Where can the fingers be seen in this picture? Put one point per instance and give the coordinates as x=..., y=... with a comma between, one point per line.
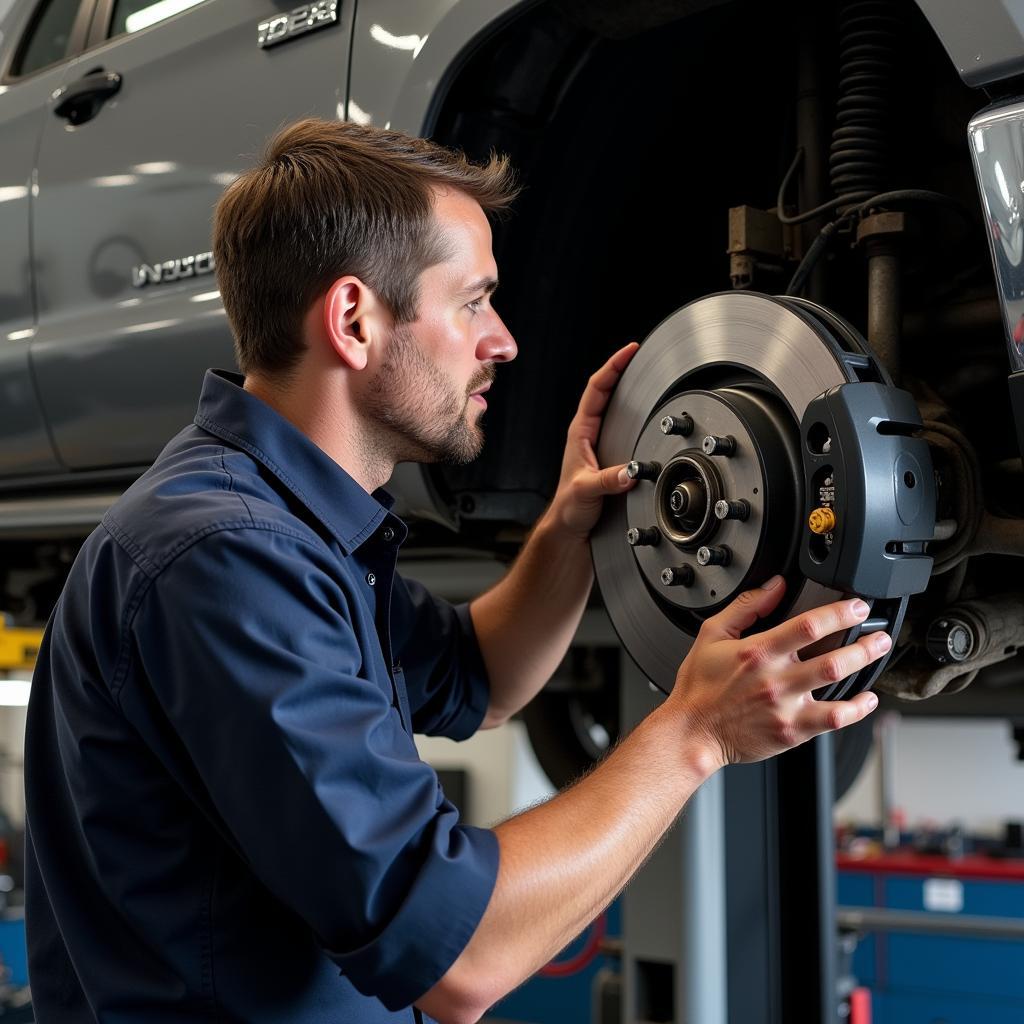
x=601, y=385
x=826, y=716
x=838, y=664
x=741, y=613
x=620, y=360
x=809, y=627
x=615, y=481
x=595, y=483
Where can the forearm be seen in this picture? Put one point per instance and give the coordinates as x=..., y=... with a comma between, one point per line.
x=564, y=861
x=526, y=622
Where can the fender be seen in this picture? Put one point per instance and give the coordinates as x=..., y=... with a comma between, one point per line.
x=405, y=55
x=985, y=47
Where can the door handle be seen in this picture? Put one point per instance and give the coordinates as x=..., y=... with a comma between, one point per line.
x=81, y=101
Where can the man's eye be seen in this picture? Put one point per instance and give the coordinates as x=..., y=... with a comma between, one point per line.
x=475, y=305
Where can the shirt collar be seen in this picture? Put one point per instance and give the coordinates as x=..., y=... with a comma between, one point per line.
x=247, y=422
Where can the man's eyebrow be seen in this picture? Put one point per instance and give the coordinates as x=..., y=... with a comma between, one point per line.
x=487, y=285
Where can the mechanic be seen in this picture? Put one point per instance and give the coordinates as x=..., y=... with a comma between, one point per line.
x=227, y=815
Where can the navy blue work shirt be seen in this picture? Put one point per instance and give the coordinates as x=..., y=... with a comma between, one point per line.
x=227, y=816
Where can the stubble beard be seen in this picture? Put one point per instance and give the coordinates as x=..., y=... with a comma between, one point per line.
x=421, y=416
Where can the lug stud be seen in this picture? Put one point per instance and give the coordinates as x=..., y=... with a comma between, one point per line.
x=739, y=509
x=715, y=445
x=643, y=470
x=678, y=576
x=642, y=536
x=717, y=555
x=681, y=424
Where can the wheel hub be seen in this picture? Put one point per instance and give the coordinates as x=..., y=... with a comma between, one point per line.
x=689, y=499
x=684, y=496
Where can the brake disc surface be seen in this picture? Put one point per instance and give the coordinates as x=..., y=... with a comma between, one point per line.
x=734, y=374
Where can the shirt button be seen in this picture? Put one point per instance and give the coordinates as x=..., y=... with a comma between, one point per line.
x=387, y=535
x=371, y=578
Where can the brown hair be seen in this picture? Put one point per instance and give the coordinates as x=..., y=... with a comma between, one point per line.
x=332, y=198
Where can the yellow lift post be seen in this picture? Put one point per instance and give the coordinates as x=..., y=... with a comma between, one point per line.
x=19, y=647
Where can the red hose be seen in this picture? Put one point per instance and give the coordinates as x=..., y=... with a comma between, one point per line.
x=584, y=958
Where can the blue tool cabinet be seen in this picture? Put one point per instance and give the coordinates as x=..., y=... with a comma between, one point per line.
x=938, y=979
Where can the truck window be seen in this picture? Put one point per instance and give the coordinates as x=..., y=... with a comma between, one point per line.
x=47, y=39
x=132, y=15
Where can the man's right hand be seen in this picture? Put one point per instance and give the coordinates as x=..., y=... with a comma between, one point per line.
x=751, y=697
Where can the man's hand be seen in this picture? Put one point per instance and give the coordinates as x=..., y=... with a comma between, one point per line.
x=750, y=698
x=583, y=484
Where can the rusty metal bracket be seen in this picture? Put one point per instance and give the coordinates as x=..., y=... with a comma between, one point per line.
x=759, y=242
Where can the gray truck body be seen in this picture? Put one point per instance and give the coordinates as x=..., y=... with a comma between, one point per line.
x=96, y=372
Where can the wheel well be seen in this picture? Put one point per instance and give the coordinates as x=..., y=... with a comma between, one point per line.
x=631, y=150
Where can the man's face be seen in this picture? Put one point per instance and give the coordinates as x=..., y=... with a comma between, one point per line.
x=427, y=392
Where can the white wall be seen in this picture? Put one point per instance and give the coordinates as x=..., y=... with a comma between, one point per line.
x=945, y=770
x=504, y=776
x=12, y=779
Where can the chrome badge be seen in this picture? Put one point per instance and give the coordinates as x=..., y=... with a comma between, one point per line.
x=172, y=270
x=306, y=18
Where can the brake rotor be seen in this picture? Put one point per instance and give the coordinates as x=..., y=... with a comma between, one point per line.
x=708, y=410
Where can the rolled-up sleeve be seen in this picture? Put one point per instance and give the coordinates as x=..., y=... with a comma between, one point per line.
x=252, y=650
x=444, y=669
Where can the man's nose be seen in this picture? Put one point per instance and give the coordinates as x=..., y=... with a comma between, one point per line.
x=497, y=345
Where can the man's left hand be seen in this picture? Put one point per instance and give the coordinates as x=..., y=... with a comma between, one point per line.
x=583, y=484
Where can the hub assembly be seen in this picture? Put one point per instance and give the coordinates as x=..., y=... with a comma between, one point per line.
x=733, y=485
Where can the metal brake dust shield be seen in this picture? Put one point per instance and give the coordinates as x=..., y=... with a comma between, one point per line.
x=710, y=412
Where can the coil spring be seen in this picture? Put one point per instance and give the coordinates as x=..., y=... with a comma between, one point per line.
x=858, y=157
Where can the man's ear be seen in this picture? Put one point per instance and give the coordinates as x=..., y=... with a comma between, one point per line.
x=353, y=319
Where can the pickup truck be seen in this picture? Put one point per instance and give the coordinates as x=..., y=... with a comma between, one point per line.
x=669, y=151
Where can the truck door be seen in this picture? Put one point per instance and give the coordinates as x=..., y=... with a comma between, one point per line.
x=35, y=41
x=171, y=99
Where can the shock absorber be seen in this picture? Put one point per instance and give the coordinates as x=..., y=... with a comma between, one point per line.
x=859, y=165
x=858, y=158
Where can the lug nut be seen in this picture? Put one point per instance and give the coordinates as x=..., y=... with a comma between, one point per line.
x=714, y=445
x=682, y=425
x=680, y=576
x=642, y=536
x=643, y=470
x=739, y=509
x=717, y=555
